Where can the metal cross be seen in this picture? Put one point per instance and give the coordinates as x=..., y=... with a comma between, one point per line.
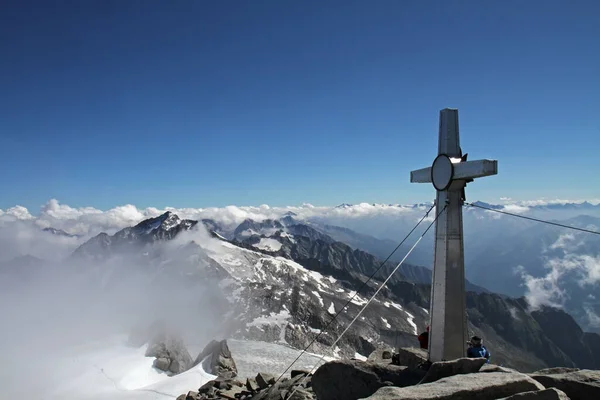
x=449, y=174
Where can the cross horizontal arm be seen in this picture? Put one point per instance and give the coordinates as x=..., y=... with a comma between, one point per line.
x=475, y=169
x=462, y=170
x=422, y=175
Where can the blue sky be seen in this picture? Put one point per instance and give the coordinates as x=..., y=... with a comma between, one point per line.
x=198, y=103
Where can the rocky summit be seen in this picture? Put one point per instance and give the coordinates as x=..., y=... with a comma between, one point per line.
x=378, y=379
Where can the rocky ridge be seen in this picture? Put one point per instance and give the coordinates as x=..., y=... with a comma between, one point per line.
x=379, y=379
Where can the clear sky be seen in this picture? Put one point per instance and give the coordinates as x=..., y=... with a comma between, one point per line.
x=211, y=103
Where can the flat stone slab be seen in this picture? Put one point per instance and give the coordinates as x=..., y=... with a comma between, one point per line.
x=479, y=386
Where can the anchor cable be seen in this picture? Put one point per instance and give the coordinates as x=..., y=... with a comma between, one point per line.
x=355, y=294
x=534, y=219
x=370, y=300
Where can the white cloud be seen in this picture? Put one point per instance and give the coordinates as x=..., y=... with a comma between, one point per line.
x=549, y=289
x=17, y=213
x=90, y=221
x=22, y=237
x=546, y=202
x=382, y=221
x=505, y=198
x=592, y=317
x=564, y=240
x=543, y=290
x=515, y=209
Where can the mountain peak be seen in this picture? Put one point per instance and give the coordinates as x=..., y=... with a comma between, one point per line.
x=164, y=227
x=58, y=232
x=166, y=221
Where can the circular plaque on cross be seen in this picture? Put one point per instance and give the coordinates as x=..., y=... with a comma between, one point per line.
x=442, y=172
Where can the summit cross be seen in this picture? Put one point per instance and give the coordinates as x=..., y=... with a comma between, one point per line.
x=449, y=174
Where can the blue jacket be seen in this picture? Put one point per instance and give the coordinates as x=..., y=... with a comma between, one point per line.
x=478, y=351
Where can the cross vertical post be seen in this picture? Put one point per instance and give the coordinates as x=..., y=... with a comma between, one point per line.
x=449, y=173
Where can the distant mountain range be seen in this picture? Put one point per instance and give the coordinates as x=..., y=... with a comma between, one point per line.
x=285, y=278
x=316, y=261
x=504, y=254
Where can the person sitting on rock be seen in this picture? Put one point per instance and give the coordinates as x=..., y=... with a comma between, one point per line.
x=477, y=350
x=424, y=339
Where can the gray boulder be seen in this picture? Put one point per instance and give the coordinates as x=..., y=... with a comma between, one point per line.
x=496, y=368
x=578, y=385
x=410, y=357
x=264, y=380
x=169, y=349
x=218, y=359
x=381, y=355
x=488, y=386
x=220, y=388
x=297, y=387
x=348, y=380
x=556, y=370
x=161, y=363
x=546, y=394
x=444, y=369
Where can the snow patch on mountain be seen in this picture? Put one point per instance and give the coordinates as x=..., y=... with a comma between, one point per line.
x=279, y=318
x=268, y=244
x=331, y=309
x=356, y=298
x=389, y=304
x=411, y=321
x=319, y=298
x=387, y=324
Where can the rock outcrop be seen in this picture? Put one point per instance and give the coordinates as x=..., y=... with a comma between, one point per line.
x=347, y=380
x=578, y=385
x=488, y=386
x=382, y=355
x=443, y=369
x=168, y=349
x=262, y=387
x=171, y=354
x=411, y=357
x=217, y=359
x=378, y=379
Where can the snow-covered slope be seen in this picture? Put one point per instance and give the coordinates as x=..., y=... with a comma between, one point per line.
x=100, y=370
x=109, y=369
x=264, y=294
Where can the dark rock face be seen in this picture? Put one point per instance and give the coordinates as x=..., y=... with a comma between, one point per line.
x=578, y=385
x=218, y=359
x=348, y=380
x=506, y=324
x=562, y=329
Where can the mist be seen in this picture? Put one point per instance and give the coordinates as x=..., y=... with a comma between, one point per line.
x=54, y=305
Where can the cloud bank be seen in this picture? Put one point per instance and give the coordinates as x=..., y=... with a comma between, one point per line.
x=567, y=272
x=89, y=221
